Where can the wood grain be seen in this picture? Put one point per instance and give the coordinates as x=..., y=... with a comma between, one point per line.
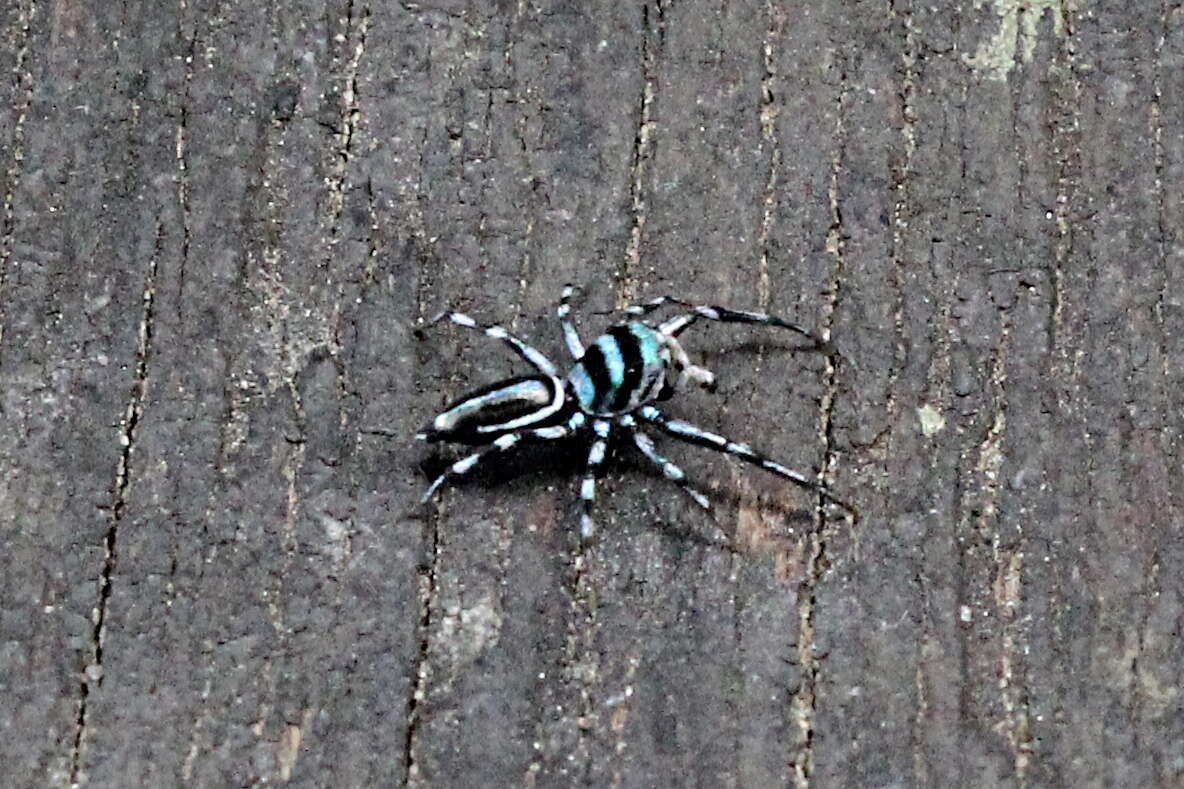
x=222, y=222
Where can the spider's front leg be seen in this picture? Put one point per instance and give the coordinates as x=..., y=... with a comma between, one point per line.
x=714, y=312
x=705, y=438
x=669, y=469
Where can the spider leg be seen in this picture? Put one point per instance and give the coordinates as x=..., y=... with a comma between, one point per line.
x=675, y=326
x=588, y=486
x=672, y=471
x=696, y=435
x=500, y=444
x=526, y=351
x=570, y=335
x=646, y=307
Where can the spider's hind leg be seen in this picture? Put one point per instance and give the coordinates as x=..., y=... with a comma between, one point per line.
x=500, y=444
x=533, y=356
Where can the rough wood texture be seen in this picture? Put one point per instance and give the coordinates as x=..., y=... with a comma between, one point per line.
x=221, y=222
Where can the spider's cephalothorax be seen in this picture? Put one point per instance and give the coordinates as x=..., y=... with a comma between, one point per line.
x=614, y=383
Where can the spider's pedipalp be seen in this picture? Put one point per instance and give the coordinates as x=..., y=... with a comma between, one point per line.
x=685, y=369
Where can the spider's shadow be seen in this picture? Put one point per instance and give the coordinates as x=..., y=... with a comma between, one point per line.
x=560, y=463
x=690, y=523
x=540, y=461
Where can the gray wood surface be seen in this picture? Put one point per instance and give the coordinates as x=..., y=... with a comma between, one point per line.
x=221, y=222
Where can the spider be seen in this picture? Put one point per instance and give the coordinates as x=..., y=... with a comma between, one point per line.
x=612, y=386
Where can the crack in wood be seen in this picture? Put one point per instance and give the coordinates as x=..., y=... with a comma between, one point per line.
x=92, y=675
x=182, y=158
x=14, y=173
x=347, y=124
x=769, y=110
x=1170, y=432
x=427, y=593
x=1008, y=580
x=630, y=268
x=805, y=699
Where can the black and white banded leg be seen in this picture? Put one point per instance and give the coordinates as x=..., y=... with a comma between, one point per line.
x=500, y=444
x=696, y=435
x=526, y=351
x=669, y=469
x=570, y=335
x=677, y=325
x=596, y=454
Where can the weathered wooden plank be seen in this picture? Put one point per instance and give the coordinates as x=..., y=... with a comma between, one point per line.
x=73, y=261
x=241, y=567
x=696, y=645
x=1117, y=416
x=230, y=218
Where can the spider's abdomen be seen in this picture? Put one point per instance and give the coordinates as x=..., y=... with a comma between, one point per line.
x=502, y=407
x=622, y=369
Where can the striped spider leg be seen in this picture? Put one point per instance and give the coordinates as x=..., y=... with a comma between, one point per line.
x=685, y=431
x=692, y=434
x=596, y=455
x=528, y=352
x=602, y=428
x=570, y=335
x=500, y=444
x=671, y=471
x=675, y=326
